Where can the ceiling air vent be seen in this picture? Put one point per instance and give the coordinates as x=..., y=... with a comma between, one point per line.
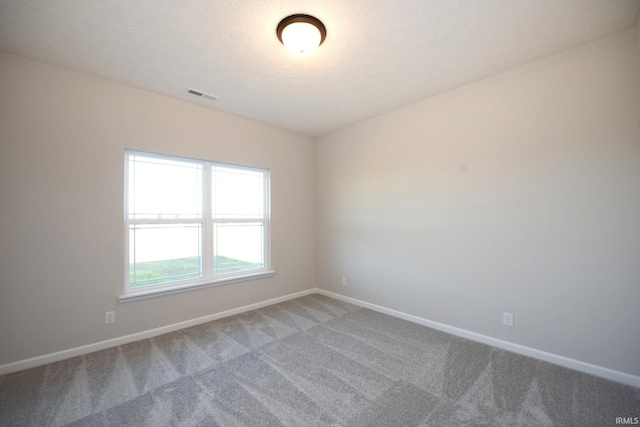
x=202, y=94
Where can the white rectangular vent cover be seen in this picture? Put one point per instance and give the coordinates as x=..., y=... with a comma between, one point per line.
x=202, y=94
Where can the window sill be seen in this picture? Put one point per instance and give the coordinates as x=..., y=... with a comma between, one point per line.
x=150, y=293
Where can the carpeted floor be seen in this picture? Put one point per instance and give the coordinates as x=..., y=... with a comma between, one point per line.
x=313, y=361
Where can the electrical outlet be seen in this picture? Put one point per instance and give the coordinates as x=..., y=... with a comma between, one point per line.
x=507, y=319
x=109, y=317
x=344, y=281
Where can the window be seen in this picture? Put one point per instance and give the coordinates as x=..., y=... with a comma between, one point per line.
x=193, y=223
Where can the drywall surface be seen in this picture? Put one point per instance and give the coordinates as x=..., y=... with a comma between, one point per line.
x=519, y=193
x=62, y=142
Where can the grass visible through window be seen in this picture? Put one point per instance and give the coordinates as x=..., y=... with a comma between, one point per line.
x=172, y=270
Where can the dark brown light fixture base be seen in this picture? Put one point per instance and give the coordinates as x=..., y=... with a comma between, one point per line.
x=307, y=19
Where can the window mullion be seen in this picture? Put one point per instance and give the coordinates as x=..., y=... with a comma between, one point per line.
x=237, y=220
x=165, y=221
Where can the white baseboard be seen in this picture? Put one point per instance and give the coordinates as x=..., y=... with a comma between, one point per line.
x=90, y=348
x=588, y=368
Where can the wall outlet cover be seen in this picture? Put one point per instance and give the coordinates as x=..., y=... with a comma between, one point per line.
x=109, y=317
x=507, y=319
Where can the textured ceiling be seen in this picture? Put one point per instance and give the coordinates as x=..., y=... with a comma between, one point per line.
x=378, y=55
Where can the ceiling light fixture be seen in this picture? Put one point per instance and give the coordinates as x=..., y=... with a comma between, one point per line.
x=301, y=34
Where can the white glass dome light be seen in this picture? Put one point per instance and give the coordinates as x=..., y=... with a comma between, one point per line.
x=301, y=38
x=301, y=34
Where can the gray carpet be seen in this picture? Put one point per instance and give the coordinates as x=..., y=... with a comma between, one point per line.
x=313, y=361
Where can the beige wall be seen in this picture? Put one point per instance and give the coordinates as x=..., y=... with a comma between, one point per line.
x=62, y=141
x=518, y=193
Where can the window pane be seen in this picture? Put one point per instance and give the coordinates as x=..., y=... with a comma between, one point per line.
x=238, y=247
x=161, y=188
x=237, y=193
x=164, y=253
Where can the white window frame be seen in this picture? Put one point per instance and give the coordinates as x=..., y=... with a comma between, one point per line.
x=207, y=222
